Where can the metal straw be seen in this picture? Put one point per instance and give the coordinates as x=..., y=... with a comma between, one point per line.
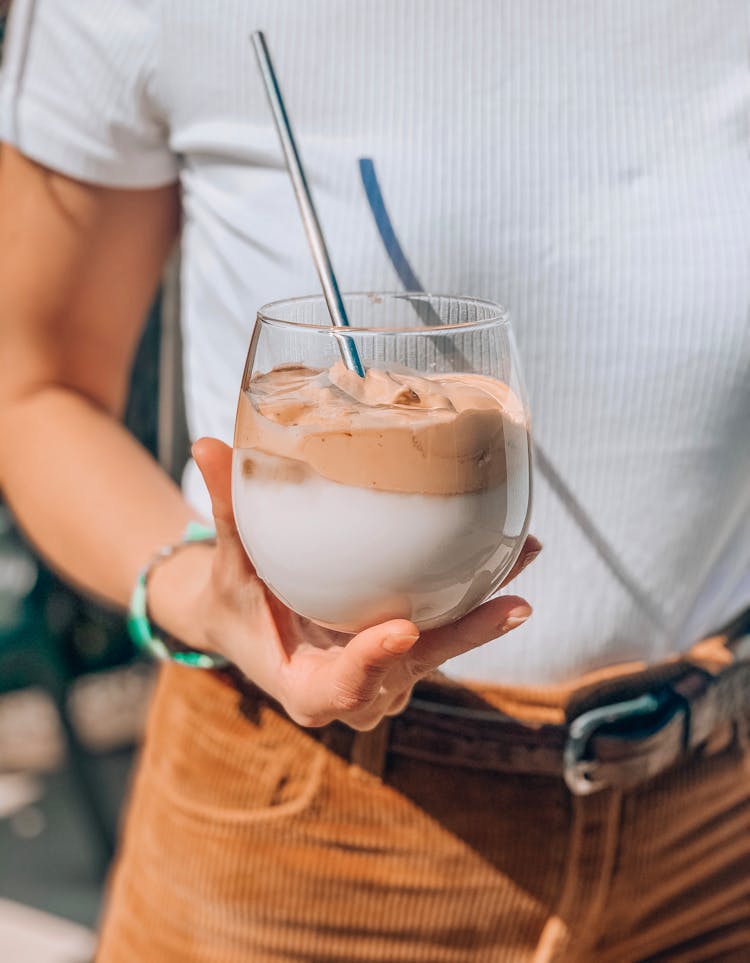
x=310, y=220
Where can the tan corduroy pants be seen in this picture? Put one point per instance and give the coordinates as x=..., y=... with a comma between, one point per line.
x=249, y=841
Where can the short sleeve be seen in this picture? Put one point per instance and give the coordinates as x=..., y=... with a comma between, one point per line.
x=78, y=90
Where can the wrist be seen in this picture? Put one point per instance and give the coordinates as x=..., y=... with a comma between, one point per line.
x=176, y=590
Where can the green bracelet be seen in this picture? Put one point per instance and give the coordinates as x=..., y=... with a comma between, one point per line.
x=139, y=624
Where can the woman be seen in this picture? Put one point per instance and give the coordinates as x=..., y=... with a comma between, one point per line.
x=590, y=170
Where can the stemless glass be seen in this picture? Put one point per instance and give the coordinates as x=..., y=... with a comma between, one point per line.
x=353, y=510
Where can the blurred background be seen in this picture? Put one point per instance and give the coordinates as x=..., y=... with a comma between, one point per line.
x=73, y=696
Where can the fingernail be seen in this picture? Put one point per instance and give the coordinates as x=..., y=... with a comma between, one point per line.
x=529, y=559
x=517, y=616
x=399, y=643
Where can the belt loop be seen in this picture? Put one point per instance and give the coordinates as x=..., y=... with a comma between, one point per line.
x=370, y=749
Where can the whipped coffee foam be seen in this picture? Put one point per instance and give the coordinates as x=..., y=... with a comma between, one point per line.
x=394, y=496
x=392, y=431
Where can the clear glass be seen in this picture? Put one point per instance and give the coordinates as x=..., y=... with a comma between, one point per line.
x=357, y=510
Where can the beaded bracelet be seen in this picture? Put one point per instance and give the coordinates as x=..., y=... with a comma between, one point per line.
x=139, y=624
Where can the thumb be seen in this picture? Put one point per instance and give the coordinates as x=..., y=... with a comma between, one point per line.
x=214, y=459
x=366, y=659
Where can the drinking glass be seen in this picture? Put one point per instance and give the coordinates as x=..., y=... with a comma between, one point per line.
x=351, y=523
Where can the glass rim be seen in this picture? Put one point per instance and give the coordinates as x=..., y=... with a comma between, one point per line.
x=499, y=317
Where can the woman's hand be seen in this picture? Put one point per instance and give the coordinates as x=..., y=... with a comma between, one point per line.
x=317, y=675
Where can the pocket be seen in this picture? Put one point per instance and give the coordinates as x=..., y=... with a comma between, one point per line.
x=212, y=759
x=217, y=832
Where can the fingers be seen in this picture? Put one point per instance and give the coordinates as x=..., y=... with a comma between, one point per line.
x=358, y=672
x=531, y=548
x=214, y=459
x=350, y=682
x=495, y=618
x=354, y=688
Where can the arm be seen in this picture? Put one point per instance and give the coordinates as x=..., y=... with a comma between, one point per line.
x=78, y=267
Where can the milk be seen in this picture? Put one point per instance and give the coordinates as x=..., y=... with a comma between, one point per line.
x=349, y=557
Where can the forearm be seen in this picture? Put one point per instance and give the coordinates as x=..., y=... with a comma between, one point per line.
x=79, y=267
x=92, y=500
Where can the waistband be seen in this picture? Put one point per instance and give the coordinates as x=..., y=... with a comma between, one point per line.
x=613, y=728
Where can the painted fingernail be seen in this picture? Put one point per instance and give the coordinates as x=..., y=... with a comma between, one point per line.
x=399, y=643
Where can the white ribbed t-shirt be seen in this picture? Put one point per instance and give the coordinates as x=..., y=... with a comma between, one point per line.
x=585, y=163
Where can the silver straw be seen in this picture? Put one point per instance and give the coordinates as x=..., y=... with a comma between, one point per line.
x=310, y=220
